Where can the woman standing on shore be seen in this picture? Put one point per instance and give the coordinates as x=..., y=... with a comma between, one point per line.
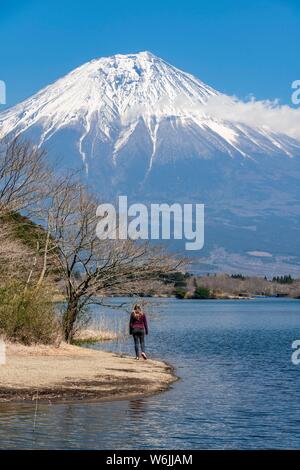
x=138, y=327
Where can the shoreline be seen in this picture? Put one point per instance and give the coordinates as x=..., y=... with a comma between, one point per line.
x=74, y=374
x=217, y=297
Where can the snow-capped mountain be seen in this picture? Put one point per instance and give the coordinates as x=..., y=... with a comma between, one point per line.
x=111, y=102
x=141, y=126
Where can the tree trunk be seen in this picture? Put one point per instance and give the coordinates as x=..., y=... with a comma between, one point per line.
x=44, y=269
x=69, y=319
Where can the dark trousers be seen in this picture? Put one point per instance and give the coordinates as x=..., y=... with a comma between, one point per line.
x=139, y=338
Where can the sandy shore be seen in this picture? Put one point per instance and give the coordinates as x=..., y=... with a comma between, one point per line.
x=75, y=373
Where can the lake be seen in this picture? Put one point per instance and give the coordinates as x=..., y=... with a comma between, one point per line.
x=238, y=388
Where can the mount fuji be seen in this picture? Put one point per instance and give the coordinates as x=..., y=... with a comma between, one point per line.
x=136, y=125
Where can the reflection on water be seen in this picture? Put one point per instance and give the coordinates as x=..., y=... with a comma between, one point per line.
x=238, y=387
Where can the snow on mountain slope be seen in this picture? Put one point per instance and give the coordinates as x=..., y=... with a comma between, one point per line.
x=109, y=101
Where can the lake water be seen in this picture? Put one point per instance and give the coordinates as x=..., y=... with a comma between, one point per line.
x=238, y=387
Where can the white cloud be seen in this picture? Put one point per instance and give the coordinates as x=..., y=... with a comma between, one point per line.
x=268, y=114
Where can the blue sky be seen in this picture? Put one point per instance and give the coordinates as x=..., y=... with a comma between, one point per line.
x=238, y=47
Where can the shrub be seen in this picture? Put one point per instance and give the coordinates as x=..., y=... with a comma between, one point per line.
x=27, y=317
x=202, y=293
x=180, y=293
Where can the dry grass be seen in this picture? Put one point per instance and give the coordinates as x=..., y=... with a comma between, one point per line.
x=93, y=335
x=99, y=329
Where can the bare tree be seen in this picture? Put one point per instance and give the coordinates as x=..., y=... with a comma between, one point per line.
x=23, y=173
x=92, y=268
x=27, y=183
x=14, y=256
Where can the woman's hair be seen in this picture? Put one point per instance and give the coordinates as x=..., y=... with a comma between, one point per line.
x=137, y=311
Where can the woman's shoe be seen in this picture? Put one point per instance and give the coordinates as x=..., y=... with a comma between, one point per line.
x=137, y=358
x=144, y=356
